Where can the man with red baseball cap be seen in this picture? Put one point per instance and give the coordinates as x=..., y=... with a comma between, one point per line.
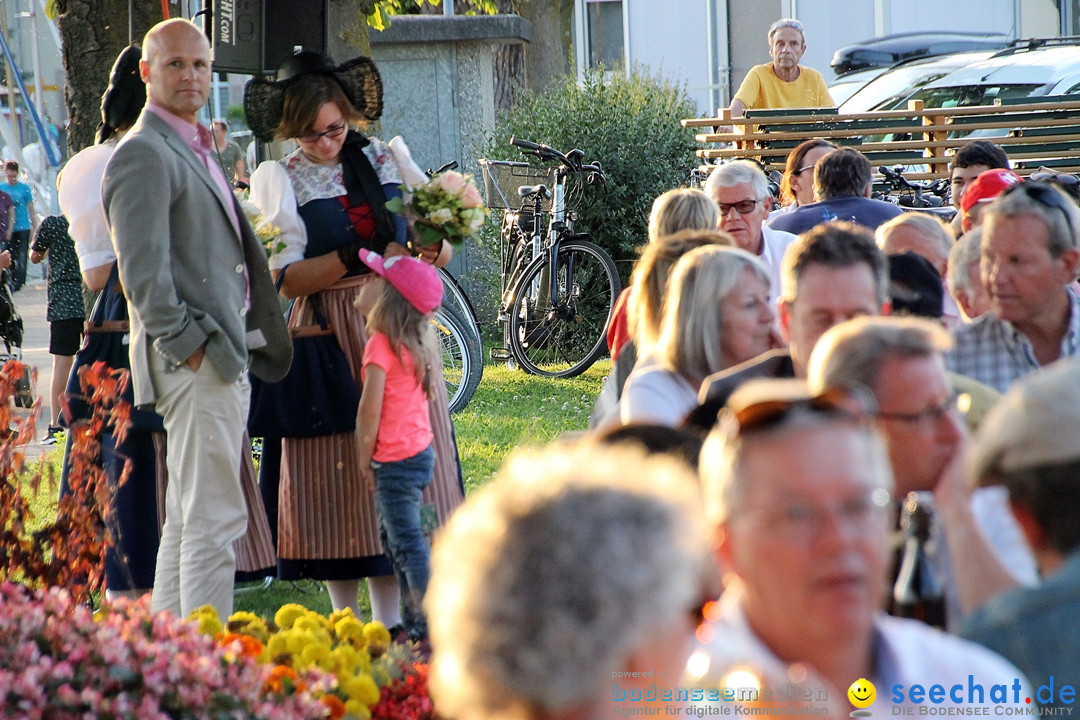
x=982, y=191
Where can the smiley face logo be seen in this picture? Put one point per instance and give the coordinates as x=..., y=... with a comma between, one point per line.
x=862, y=693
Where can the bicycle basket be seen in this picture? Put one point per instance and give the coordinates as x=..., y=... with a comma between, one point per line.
x=502, y=178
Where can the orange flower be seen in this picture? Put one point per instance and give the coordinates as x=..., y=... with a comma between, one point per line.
x=249, y=646
x=283, y=679
x=337, y=707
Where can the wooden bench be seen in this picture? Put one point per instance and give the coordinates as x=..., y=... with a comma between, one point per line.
x=1037, y=132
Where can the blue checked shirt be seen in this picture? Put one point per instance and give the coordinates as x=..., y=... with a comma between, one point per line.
x=994, y=352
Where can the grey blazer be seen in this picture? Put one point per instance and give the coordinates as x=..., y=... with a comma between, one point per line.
x=182, y=264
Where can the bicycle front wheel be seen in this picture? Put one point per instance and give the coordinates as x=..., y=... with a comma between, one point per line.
x=562, y=336
x=462, y=356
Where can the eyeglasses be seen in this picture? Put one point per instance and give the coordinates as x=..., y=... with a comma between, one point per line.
x=743, y=207
x=931, y=414
x=804, y=168
x=1047, y=196
x=765, y=414
x=805, y=521
x=331, y=132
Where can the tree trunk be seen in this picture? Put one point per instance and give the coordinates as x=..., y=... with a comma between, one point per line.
x=509, y=66
x=92, y=33
x=547, y=57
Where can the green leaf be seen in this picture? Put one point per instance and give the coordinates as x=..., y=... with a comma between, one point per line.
x=396, y=205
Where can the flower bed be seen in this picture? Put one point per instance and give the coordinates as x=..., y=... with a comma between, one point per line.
x=60, y=660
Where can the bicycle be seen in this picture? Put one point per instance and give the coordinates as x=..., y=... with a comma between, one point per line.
x=557, y=287
x=928, y=197
x=458, y=330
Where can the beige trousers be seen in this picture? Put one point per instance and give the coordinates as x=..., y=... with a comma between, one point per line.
x=205, y=512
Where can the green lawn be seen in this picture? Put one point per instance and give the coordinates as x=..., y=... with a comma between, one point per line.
x=510, y=409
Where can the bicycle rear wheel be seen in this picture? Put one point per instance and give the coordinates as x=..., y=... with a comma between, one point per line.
x=462, y=356
x=563, y=336
x=454, y=297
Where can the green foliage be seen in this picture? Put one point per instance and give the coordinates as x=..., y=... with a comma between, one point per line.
x=235, y=115
x=627, y=122
x=383, y=9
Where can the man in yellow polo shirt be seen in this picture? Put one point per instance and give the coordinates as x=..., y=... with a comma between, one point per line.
x=783, y=83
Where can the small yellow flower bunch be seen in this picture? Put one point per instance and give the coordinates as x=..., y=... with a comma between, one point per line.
x=268, y=233
x=305, y=641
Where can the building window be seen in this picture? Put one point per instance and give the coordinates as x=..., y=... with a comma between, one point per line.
x=604, y=19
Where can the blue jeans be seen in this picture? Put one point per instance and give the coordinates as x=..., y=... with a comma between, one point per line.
x=398, y=486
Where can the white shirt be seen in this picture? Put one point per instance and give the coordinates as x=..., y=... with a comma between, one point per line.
x=906, y=653
x=774, y=245
x=79, y=196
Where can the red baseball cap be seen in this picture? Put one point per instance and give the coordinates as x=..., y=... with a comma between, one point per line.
x=417, y=281
x=988, y=185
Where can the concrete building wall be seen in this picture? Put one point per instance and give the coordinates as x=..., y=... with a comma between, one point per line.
x=652, y=26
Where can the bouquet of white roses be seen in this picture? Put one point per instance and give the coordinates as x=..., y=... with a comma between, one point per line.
x=446, y=207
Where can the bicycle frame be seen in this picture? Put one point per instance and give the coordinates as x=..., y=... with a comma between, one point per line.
x=554, y=283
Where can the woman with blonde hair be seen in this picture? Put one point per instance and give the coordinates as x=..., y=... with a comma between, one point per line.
x=646, y=295
x=716, y=314
x=675, y=210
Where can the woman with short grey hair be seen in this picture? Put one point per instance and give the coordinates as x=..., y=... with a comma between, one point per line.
x=565, y=583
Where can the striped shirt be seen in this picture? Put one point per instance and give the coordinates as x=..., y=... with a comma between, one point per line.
x=994, y=352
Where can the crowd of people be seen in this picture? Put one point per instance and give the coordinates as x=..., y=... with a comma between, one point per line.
x=786, y=379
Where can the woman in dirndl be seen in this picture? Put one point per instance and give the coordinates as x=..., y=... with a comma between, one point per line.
x=328, y=200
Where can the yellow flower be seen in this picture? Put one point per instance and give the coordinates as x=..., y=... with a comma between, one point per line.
x=361, y=688
x=349, y=660
x=350, y=630
x=207, y=619
x=246, y=623
x=287, y=615
x=278, y=645
x=376, y=633
x=315, y=653
x=338, y=615
x=310, y=622
x=357, y=709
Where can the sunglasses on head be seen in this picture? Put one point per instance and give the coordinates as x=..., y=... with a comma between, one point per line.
x=1048, y=196
x=765, y=414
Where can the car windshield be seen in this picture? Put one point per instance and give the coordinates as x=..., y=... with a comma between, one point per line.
x=965, y=96
x=893, y=88
x=889, y=90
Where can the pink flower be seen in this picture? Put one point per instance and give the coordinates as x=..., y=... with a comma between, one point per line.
x=472, y=198
x=452, y=182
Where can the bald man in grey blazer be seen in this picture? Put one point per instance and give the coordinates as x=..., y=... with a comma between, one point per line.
x=203, y=309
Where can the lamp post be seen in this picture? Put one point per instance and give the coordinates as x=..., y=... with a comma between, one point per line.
x=35, y=53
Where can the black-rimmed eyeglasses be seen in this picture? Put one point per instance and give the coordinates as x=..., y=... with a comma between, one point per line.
x=331, y=132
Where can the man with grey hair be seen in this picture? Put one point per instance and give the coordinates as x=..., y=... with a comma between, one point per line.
x=798, y=487
x=1029, y=260
x=783, y=83
x=741, y=190
x=964, y=276
x=842, y=184
x=1028, y=446
x=899, y=361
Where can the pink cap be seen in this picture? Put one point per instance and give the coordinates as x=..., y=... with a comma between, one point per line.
x=417, y=281
x=988, y=185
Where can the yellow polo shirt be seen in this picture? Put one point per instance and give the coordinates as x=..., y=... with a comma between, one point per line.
x=763, y=89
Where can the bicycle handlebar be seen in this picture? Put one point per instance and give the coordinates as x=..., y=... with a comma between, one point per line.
x=572, y=160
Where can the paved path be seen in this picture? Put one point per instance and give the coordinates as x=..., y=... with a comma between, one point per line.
x=30, y=301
